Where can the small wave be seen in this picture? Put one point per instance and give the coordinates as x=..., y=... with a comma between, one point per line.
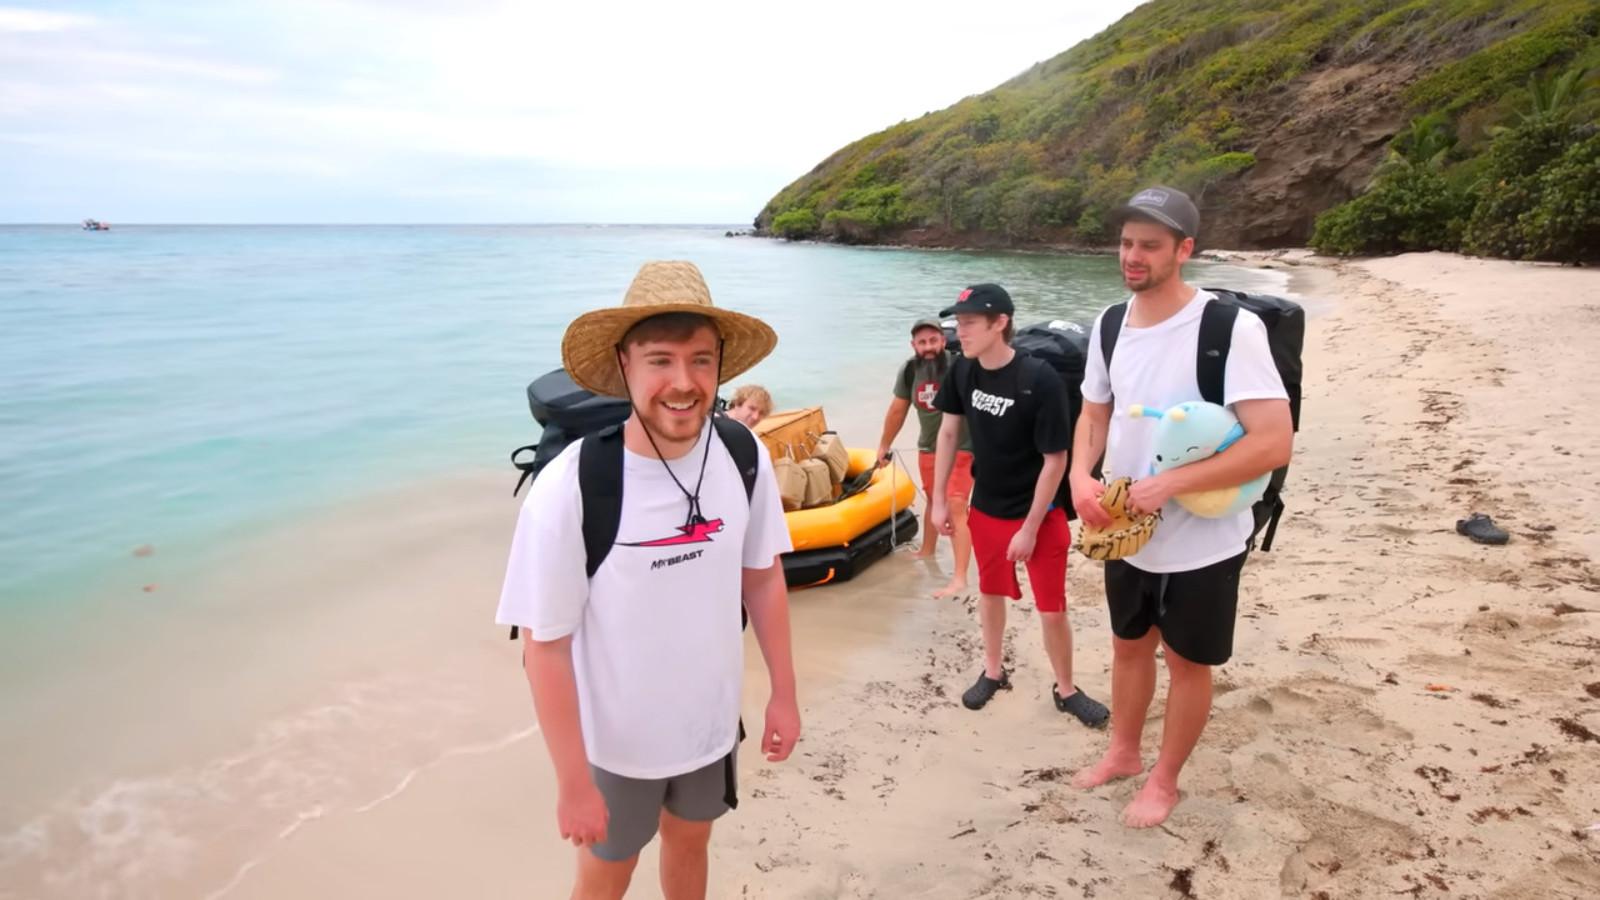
x=177, y=833
x=467, y=750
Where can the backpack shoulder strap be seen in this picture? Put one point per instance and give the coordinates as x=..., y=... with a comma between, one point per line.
x=743, y=447
x=1110, y=327
x=1032, y=367
x=600, y=485
x=961, y=376
x=741, y=444
x=1211, y=358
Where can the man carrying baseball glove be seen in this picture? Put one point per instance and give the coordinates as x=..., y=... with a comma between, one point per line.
x=1172, y=578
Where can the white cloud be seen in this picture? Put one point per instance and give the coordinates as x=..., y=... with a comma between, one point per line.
x=34, y=20
x=132, y=63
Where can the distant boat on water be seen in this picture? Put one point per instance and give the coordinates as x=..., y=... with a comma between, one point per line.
x=94, y=225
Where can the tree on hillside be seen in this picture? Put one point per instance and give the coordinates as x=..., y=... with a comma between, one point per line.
x=1426, y=144
x=1558, y=97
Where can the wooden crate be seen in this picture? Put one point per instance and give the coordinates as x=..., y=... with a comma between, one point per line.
x=796, y=429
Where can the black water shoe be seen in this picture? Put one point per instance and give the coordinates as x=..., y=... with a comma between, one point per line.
x=1482, y=529
x=1089, y=711
x=984, y=689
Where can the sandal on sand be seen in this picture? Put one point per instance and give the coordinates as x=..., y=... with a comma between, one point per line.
x=984, y=689
x=1482, y=529
x=1089, y=711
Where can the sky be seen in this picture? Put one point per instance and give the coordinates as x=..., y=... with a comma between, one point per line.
x=380, y=111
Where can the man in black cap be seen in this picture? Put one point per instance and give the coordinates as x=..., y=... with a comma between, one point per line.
x=1016, y=410
x=1180, y=591
x=916, y=385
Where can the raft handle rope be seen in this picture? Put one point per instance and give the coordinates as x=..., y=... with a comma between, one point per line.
x=894, y=514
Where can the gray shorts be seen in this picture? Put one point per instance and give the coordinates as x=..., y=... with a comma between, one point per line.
x=634, y=805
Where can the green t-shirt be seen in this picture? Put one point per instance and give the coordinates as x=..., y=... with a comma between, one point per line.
x=919, y=381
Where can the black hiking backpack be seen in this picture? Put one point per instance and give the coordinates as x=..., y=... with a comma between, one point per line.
x=1286, y=336
x=1064, y=347
x=568, y=412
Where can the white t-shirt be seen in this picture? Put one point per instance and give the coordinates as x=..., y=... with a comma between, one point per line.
x=1155, y=367
x=656, y=644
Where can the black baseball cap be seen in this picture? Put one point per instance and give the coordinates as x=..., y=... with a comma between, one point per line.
x=1166, y=205
x=982, y=298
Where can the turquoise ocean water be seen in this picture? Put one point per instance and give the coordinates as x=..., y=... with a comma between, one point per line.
x=176, y=386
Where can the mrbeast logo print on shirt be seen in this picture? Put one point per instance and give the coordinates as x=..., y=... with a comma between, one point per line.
x=698, y=532
x=989, y=403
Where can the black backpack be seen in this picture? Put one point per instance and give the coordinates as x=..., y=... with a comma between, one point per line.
x=1064, y=347
x=569, y=412
x=1286, y=336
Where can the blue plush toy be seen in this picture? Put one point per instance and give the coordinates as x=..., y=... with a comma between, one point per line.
x=1194, y=431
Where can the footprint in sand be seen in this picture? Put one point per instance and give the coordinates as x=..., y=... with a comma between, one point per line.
x=1315, y=704
x=1335, y=644
x=1347, y=852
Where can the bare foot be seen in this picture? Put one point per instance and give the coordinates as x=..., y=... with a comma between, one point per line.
x=925, y=551
x=1109, y=768
x=953, y=589
x=1151, y=806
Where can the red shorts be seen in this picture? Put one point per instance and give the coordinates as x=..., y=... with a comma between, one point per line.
x=960, y=486
x=1047, y=568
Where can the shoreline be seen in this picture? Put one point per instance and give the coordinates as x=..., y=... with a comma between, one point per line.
x=447, y=783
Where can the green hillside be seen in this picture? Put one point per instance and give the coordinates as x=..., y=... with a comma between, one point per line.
x=1269, y=113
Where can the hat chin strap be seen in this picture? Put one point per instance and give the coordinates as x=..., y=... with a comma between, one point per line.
x=695, y=517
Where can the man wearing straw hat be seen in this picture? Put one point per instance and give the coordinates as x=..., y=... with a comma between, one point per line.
x=1180, y=590
x=636, y=669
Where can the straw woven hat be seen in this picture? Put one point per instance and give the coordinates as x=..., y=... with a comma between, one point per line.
x=589, y=348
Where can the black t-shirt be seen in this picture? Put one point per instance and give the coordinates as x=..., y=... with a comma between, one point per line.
x=1015, y=414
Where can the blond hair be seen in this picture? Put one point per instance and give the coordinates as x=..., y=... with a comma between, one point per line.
x=752, y=392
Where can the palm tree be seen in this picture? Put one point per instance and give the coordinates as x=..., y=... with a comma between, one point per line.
x=1556, y=98
x=1426, y=144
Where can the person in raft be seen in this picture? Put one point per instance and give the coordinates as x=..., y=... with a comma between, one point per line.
x=1180, y=591
x=1015, y=408
x=750, y=404
x=916, y=384
x=636, y=669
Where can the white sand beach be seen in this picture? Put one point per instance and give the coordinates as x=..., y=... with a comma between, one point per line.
x=1407, y=713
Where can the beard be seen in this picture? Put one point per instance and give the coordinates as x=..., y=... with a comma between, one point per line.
x=1152, y=277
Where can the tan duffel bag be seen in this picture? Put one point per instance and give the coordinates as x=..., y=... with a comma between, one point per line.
x=819, y=485
x=792, y=482
x=831, y=450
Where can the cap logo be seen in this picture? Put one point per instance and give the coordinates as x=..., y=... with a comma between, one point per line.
x=1151, y=197
x=964, y=295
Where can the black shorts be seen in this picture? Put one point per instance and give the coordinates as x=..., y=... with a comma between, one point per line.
x=1194, y=610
